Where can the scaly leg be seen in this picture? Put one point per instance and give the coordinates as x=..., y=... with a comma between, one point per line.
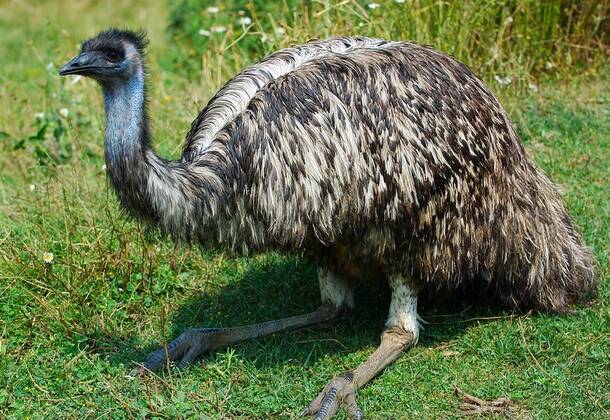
x=336, y=295
x=402, y=331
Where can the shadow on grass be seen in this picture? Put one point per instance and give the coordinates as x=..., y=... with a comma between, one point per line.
x=277, y=289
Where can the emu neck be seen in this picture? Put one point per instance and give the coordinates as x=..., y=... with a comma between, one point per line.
x=168, y=194
x=126, y=143
x=126, y=124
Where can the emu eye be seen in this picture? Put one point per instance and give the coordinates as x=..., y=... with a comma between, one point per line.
x=113, y=56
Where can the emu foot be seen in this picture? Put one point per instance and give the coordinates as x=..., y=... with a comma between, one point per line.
x=190, y=344
x=340, y=391
x=183, y=350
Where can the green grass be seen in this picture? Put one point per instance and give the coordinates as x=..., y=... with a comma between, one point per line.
x=70, y=331
x=500, y=39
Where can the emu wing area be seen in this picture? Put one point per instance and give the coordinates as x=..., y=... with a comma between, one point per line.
x=380, y=139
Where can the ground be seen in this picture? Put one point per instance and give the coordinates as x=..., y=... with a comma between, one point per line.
x=71, y=328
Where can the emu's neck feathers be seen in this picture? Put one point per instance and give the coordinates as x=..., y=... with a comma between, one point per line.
x=149, y=187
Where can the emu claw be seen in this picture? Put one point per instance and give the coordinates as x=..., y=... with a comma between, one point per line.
x=340, y=390
x=183, y=350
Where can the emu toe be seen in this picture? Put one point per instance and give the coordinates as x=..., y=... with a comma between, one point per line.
x=183, y=350
x=340, y=391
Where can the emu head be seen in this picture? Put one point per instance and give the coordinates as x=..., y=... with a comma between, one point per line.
x=110, y=56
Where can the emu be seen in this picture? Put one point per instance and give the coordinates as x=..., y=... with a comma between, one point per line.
x=376, y=159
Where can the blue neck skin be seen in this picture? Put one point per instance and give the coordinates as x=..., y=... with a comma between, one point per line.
x=126, y=126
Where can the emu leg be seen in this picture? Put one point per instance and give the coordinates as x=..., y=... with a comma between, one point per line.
x=193, y=342
x=337, y=298
x=402, y=331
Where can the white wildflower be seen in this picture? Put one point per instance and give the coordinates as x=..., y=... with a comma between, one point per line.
x=218, y=29
x=373, y=6
x=212, y=10
x=47, y=257
x=64, y=112
x=50, y=66
x=509, y=20
x=503, y=80
x=32, y=187
x=280, y=31
x=360, y=24
x=264, y=37
x=76, y=79
x=39, y=115
x=399, y=1
x=548, y=65
x=104, y=167
x=532, y=87
x=204, y=32
x=244, y=21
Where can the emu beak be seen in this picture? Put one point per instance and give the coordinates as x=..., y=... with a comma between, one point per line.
x=84, y=63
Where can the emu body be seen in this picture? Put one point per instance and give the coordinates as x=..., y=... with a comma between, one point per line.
x=375, y=159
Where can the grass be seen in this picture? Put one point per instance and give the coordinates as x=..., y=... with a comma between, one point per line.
x=70, y=330
x=502, y=40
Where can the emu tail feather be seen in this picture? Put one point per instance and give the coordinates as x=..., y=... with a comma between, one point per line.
x=557, y=270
